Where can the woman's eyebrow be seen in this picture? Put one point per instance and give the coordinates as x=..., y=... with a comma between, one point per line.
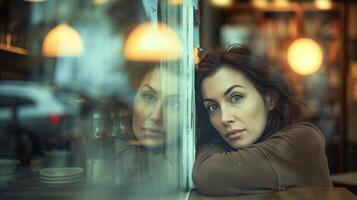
x=206, y=99
x=225, y=93
x=173, y=96
x=149, y=87
x=231, y=88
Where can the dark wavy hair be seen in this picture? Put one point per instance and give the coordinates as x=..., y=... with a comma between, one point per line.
x=267, y=81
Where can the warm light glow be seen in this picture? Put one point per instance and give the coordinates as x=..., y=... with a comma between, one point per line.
x=13, y=49
x=304, y=56
x=260, y=3
x=323, y=4
x=99, y=1
x=175, y=2
x=196, y=55
x=62, y=40
x=221, y=3
x=281, y=3
x=152, y=42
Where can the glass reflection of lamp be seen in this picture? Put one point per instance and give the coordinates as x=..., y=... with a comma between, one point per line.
x=150, y=42
x=175, y=2
x=305, y=56
x=98, y=2
x=62, y=41
x=221, y=3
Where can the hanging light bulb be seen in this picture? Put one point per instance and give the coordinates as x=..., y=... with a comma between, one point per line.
x=152, y=42
x=304, y=56
x=64, y=41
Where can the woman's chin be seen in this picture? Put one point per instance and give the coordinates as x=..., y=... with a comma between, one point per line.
x=147, y=143
x=238, y=144
x=153, y=143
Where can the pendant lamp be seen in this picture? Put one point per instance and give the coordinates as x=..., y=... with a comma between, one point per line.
x=150, y=42
x=62, y=41
x=305, y=56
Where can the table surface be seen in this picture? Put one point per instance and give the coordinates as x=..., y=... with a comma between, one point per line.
x=348, y=178
x=306, y=193
x=30, y=188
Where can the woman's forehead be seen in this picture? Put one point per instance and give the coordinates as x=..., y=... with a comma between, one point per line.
x=223, y=78
x=162, y=81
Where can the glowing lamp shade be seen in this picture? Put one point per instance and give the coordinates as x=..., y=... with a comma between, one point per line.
x=62, y=41
x=304, y=56
x=152, y=42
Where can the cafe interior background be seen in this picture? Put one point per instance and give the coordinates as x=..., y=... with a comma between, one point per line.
x=67, y=70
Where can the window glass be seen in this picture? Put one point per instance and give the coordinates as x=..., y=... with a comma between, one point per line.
x=113, y=115
x=9, y=101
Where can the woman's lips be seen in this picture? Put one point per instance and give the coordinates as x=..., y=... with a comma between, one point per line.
x=234, y=134
x=153, y=132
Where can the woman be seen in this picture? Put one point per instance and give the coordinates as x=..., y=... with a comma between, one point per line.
x=261, y=146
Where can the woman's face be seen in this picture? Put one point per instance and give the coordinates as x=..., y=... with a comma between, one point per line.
x=235, y=107
x=156, y=108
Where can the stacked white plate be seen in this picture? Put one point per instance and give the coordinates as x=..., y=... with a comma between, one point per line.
x=61, y=175
x=7, y=170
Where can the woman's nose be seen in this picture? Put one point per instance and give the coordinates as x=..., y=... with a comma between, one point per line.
x=227, y=117
x=156, y=112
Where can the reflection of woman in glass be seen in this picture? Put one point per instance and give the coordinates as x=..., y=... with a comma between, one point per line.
x=261, y=146
x=143, y=153
x=153, y=101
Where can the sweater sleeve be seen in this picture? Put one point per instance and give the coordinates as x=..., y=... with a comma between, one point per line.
x=283, y=160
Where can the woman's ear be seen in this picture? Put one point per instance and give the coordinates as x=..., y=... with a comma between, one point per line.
x=270, y=100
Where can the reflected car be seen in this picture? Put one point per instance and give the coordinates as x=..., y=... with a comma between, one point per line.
x=32, y=120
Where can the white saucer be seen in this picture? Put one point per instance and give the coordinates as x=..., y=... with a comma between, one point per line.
x=61, y=181
x=45, y=178
x=61, y=172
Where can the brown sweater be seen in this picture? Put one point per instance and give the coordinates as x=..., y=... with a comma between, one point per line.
x=295, y=156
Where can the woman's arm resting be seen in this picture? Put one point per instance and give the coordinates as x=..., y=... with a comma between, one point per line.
x=246, y=171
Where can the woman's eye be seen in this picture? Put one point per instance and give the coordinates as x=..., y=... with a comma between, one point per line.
x=148, y=97
x=173, y=103
x=236, y=98
x=212, y=108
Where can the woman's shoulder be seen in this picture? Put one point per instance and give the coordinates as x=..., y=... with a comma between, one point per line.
x=300, y=128
x=301, y=132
